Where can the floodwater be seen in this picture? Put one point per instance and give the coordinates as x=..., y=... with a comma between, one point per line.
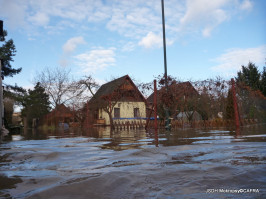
x=185, y=163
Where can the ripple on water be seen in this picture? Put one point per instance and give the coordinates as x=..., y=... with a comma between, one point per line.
x=129, y=165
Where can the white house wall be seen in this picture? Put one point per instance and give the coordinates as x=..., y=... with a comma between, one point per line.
x=126, y=112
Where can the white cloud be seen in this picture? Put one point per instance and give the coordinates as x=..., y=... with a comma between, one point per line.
x=151, y=40
x=72, y=44
x=132, y=19
x=14, y=13
x=231, y=61
x=29, y=14
x=206, y=32
x=69, y=48
x=71, y=9
x=205, y=15
x=201, y=10
x=96, y=59
x=246, y=5
x=40, y=19
x=129, y=46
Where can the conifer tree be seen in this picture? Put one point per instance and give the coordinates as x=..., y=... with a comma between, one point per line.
x=36, y=103
x=7, y=52
x=263, y=82
x=250, y=76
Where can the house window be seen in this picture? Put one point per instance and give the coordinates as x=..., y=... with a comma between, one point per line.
x=116, y=112
x=136, y=113
x=95, y=114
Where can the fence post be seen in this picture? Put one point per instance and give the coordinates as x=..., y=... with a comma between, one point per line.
x=155, y=105
x=155, y=114
x=87, y=115
x=235, y=104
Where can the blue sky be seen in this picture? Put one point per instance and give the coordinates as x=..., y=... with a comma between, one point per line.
x=111, y=38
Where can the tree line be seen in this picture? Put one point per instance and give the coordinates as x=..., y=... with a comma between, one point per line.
x=54, y=86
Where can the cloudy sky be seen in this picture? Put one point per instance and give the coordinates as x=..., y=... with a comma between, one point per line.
x=111, y=38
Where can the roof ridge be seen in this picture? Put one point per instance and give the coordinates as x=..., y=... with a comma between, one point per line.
x=108, y=87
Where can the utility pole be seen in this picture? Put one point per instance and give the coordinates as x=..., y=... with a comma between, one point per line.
x=1, y=99
x=1, y=87
x=167, y=122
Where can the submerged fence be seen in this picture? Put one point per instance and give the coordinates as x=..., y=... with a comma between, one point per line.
x=126, y=125
x=176, y=124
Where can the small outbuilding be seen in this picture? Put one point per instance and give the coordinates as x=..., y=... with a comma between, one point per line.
x=60, y=114
x=181, y=93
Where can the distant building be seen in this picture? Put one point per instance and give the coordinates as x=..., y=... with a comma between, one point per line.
x=181, y=90
x=184, y=91
x=16, y=118
x=189, y=116
x=122, y=97
x=61, y=114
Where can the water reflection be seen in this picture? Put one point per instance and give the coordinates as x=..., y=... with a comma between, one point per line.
x=130, y=139
x=237, y=132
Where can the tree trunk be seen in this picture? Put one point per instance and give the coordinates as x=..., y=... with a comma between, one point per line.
x=111, y=120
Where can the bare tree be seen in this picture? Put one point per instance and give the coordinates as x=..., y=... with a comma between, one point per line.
x=88, y=83
x=58, y=85
x=207, y=97
x=213, y=94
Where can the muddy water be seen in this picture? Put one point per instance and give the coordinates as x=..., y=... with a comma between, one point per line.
x=186, y=163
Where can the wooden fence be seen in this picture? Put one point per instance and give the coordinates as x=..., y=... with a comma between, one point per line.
x=128, y=125
x=175, y=124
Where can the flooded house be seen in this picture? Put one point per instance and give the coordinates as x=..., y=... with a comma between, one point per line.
x=118, y=100
x=180, y=90
x=60, y=114
x=16, y=118
x=188, y=116
x=182, y=94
